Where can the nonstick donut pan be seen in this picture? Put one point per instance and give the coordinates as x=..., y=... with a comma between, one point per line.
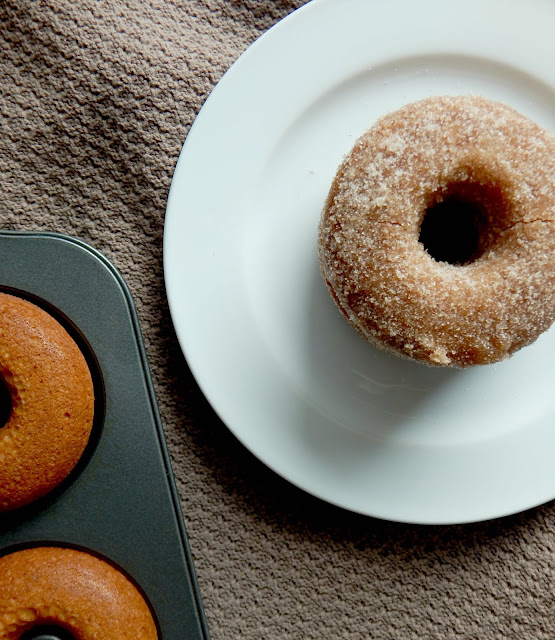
x=120, y=502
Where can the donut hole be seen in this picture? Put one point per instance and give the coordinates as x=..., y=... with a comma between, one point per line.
x=450, y=230
x=462, y=221
x=5, y=402
x=47, y=632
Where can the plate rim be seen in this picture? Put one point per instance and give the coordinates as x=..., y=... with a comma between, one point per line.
x=199, y=370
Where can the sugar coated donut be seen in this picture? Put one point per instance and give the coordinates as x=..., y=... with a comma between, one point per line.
x=48, y=388
x=61, y=591
x=437, y=239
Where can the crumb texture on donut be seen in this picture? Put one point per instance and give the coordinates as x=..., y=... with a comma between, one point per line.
x=70, y=590
x=52, y=402
x=487, y=158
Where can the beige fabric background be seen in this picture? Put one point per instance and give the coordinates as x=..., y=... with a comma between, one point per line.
x=96, y=99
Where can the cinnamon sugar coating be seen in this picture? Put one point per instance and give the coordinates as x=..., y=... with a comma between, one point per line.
x=386, y=283
x=52, y=402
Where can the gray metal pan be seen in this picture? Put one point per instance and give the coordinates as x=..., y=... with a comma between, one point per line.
x=121, y=501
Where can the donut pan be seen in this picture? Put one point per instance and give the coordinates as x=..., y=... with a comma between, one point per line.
x=121, y=501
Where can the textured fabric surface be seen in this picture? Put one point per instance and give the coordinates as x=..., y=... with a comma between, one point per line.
x=96, y=99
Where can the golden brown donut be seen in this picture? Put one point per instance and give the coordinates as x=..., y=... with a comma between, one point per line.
x=52, y=402
x=437, y=239
x=70, y=590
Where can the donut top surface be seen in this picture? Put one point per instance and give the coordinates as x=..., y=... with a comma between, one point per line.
x=445, y=158
x=48, y=385
x=73, y=591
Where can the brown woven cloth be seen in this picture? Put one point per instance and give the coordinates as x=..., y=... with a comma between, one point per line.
x=96, y=99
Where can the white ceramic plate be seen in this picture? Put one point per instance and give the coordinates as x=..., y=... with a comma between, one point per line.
x=345, y=422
